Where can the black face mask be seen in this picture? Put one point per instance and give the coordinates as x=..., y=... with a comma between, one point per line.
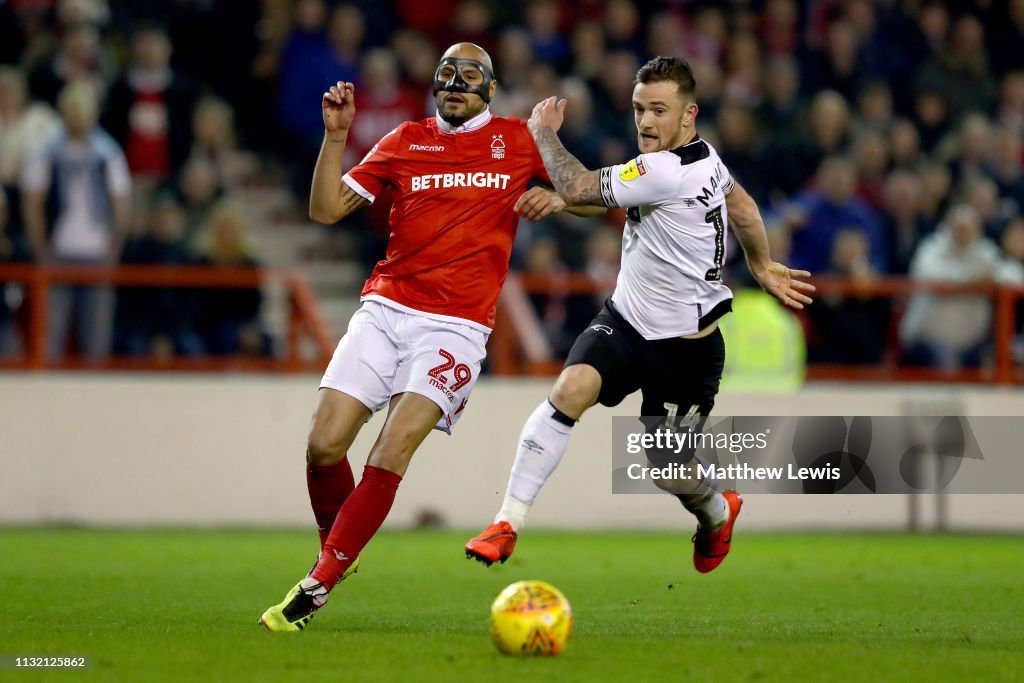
x=452, y=74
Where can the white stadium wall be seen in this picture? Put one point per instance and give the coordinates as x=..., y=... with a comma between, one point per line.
x=228, y=450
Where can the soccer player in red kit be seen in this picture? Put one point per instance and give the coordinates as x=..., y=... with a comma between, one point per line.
x=417, y=342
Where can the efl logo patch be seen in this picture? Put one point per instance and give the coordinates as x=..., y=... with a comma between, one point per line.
x=633, y=170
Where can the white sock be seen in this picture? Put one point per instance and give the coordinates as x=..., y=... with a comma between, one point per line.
x=541, y=446
x=711, y=511
x=702, y=498
x=513, y=511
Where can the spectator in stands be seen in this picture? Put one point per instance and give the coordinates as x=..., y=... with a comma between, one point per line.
x=743, y=71
x=80, y=57
x=852, y=328
x=319, y=52
x=780, y=110
x=543, y=20
x=707, y=36
x=75, y=12
x=874, y=107
x=612, y=95
x=158, y=321
x=960, y=70
x=936, y=183
x=589, y=48
x=307, y=63
x=663, y=31
x=904, y=145
x=200, y=189
x=229, y=319
x=1006, y=165
x=1010, y=112
x=779, y=27
x=1013, y=246
x=9, y=292
x=904, y=224
x=515, y=55
x=418, y=59
x=796, y=158
x=24, y=128
x=738, y=142
x=213, y=133
x=951, y=331
x=709, y=75
x=471, y=23
x=384, y=103
x=933, y=21
x=622, y=26
x=968, y=150
x=76, y=193
x=982, y=194
x=839, y=65
x=1012, y=271
x=149, y=109
x=871, y=157
x=931, y=114
x=818, y=215
x=577, y=134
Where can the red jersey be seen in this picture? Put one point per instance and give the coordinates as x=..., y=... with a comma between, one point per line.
x=452, y=223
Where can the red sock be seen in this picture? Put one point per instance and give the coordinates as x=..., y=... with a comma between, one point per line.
x=329, y=486
x=357, y=522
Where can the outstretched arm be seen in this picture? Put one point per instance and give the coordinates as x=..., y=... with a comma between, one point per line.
x=538, y=202
x=776, y=279
x=330, y=199
x=576, y=184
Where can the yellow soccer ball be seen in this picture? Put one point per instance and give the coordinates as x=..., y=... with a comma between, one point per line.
x=531, y=618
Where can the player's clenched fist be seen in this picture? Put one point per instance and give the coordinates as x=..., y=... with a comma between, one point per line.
x=536, y=203
x=339, y=106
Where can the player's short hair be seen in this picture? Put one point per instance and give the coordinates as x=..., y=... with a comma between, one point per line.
x=669, y=69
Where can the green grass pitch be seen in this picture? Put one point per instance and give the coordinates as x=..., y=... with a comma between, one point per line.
x=183, y=605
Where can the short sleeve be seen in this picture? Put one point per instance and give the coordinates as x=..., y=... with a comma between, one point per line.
x=370, y=176
x=648, y=179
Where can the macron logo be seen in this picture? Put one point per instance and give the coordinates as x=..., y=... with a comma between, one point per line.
x=426, y=148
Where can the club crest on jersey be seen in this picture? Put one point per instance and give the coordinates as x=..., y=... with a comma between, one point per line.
x=497, y=146
x=633, y=170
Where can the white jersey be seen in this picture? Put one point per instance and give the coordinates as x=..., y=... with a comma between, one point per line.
x=673, y=244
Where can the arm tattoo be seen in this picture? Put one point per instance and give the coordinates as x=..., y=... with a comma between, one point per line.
x=350, y=199
x=577, y=185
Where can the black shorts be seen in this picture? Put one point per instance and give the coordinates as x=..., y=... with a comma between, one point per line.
x=670, y=372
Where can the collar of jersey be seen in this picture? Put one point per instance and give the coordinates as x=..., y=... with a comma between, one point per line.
x=478, y=121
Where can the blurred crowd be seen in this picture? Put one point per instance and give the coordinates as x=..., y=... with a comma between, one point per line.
x=115, y=146
x=880, y=137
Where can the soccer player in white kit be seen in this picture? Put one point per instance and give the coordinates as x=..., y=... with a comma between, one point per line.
x=658, y=332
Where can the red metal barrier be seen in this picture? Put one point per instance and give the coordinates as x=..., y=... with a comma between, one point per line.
x=1004, y=298
x=304, y=319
